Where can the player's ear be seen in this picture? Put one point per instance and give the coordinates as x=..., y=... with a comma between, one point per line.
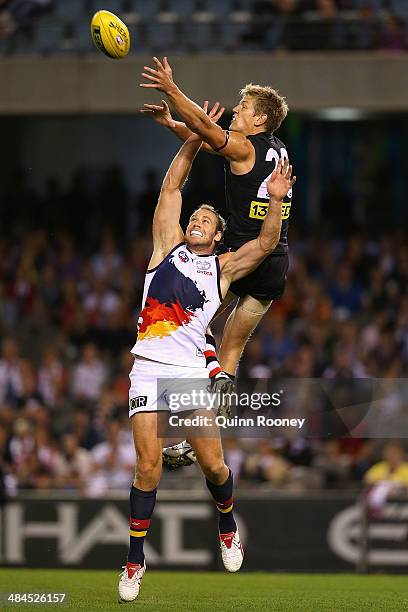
x=260, y=120
x=218, y=236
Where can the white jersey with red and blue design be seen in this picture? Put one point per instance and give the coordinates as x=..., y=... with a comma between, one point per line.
x=180, y=297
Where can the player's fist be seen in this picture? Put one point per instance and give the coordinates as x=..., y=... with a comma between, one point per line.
x=280, y=181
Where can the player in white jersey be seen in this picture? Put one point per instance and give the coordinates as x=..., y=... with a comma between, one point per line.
x=184, y=287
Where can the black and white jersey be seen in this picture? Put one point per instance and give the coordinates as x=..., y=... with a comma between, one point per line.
x=247, y=198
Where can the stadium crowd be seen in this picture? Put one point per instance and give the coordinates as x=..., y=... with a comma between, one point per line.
x=69, y=305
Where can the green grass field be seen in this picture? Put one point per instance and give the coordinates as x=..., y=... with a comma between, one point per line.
x=182, y=592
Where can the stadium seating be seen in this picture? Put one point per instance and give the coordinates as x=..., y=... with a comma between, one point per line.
x=232, y=29
x=146, y=10
x=161, y=36
x=218, y=7
x=199, y=36
x=49, y=35
x=183, y=8
x=399, y=7
x=114, y=6
x=206, y=26
x=84, y=42
x=69, y=10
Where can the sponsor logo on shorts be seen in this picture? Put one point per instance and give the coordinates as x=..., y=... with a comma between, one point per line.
x=183, y=256
x=138, y=402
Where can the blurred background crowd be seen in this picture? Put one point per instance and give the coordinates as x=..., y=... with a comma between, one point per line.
x=74, y=247
x=50, y=26
x=69, y=303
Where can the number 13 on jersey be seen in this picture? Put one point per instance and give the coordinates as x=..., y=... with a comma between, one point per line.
x=258, y=210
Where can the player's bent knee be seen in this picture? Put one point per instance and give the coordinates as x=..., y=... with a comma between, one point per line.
x=214, y=472
x=148, y=473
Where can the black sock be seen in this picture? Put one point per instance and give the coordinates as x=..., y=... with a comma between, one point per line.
x=222, y=495
x=141, y=509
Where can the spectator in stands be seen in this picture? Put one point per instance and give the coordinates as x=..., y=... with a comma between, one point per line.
x=393, y=468
x=85, y=429
x=101, y=302
x=17, y=13
x=363, y=459
x=22, y=444
x=277, y=342
x=393, y=34
x=89, y=375
x=345, y=293
x=72, y=464
x=275, y=23
x=11, y=380
x=113, y=461
x=107, y=262
x=52, y=377
x=333, y=464
x=267, y=465
x=8, y=480
x=388, y=477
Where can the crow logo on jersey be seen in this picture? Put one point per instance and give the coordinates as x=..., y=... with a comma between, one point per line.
x=183, y=256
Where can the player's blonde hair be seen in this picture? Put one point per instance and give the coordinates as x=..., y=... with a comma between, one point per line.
x=267, y=102
x=221, y=224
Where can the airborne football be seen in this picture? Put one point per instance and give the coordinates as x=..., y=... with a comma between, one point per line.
x=110, y=35
x=204, y=305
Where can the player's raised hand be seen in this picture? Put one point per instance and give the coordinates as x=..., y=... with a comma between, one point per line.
x=280, y=181
x=215, y=113
x=160, y=114
x=161, y=77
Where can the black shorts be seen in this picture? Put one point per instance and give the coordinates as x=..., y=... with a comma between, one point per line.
x=267, y=282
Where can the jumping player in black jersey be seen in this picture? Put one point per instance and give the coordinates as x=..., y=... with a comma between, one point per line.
x=251, y=151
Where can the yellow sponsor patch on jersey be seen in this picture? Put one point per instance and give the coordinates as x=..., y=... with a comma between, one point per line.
x=286, y=210
x=258, y=210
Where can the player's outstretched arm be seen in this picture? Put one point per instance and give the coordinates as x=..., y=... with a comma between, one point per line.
x=160, y=113
x=232, y=145
x=248, y=257
x=166, y=221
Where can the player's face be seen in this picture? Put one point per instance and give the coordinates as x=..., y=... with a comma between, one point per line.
x=202, y=230
x=243, y=119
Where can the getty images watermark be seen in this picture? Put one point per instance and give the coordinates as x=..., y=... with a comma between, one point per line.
x=205, y=399
x=202, y=398
x=311, y=407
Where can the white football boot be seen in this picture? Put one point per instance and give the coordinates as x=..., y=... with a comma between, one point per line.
x=130, y=581
x=178, y=455
x=232, y=552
